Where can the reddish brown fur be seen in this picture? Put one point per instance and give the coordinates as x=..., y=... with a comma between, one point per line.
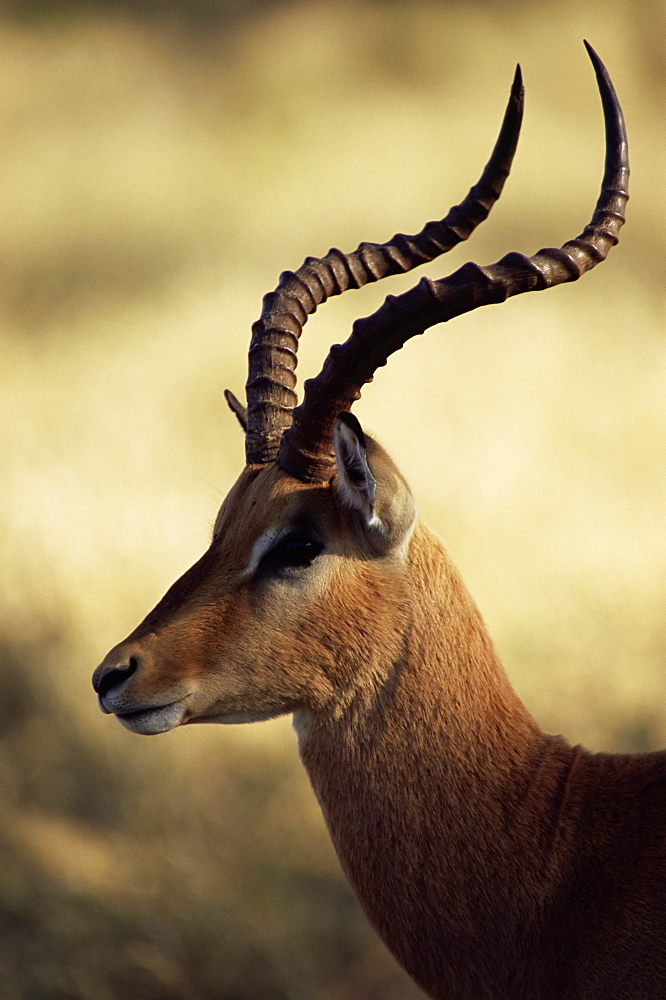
x=495, y=861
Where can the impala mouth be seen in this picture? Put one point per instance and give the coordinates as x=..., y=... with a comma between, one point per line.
x=151, y=721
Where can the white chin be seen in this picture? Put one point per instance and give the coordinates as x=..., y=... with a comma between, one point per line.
x=237, y=718
x=151, y=721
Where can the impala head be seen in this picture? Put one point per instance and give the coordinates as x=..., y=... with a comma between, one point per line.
x=264, y=622
x=303, y=588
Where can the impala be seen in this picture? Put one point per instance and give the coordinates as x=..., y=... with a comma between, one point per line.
x=495, y=860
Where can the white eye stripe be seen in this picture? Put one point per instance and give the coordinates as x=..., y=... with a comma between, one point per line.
x=263, y=544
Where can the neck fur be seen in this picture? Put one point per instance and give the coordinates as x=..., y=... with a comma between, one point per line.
x=428, y=784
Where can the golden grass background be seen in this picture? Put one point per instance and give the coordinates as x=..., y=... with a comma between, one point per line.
x=157, y=174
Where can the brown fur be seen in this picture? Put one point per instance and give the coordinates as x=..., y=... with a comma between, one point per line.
x=495, y=861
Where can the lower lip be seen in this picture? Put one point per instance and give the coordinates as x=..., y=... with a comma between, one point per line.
x=151, y=721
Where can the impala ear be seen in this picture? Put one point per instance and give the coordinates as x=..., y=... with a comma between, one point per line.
x=236, y=407
x=369, y=484
x=356, y=482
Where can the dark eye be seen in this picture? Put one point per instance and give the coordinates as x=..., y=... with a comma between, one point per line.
x=293, y=551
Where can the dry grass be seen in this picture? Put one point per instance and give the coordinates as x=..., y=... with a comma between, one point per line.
x=154, y=184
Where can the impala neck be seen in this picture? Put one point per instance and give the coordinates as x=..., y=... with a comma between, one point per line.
x=436, y=785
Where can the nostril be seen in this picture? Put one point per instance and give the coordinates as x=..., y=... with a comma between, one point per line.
x=111, y=677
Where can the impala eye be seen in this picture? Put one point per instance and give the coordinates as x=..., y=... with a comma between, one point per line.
x=295, y=550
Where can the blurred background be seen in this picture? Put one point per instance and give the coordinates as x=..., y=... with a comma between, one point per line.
x=161, y=163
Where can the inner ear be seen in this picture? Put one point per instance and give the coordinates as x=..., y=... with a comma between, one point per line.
x=356, y=483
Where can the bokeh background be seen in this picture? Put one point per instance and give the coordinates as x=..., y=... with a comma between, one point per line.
x=160, y=163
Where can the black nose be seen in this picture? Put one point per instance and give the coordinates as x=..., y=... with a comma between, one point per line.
x=113, y=675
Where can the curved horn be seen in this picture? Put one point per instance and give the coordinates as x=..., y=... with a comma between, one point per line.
x=272, y=357
x=306, y=450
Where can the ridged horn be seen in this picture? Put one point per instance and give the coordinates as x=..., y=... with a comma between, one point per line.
x=271, y=383
x=306, y=451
